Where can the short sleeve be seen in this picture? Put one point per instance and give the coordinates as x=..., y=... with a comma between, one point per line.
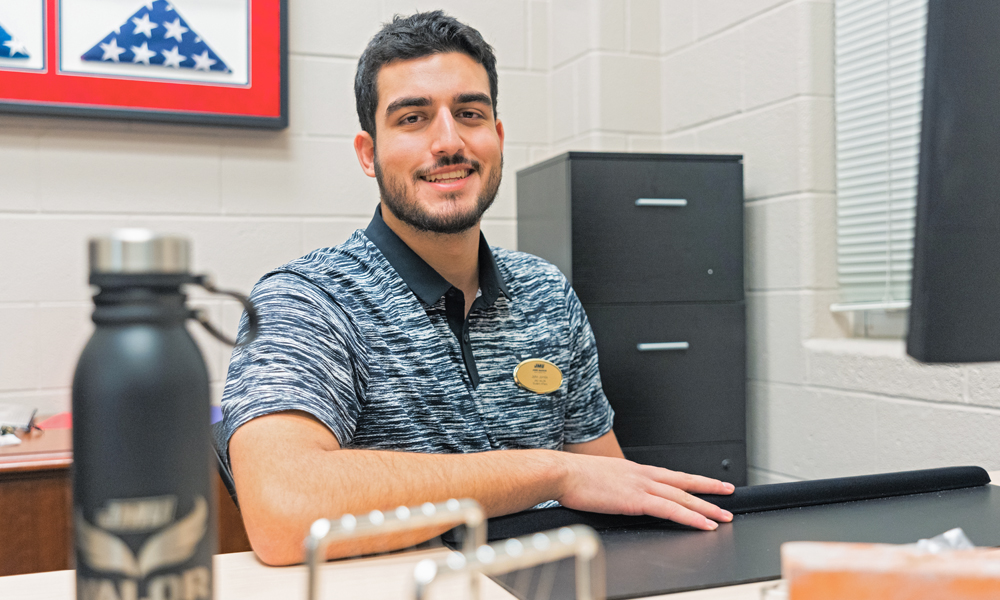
x=588, y=413
x=307, y=356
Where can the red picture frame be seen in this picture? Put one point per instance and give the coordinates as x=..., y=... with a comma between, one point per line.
x=261, y=102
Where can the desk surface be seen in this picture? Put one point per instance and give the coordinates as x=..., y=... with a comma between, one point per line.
x=654, y=560
x=241, y=576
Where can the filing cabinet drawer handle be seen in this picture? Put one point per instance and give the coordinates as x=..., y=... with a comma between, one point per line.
x=661, y=346
x=661, y=202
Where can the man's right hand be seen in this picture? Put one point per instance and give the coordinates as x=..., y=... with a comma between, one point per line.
x=619, y=486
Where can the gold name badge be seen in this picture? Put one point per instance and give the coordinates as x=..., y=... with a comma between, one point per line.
x=538, y=375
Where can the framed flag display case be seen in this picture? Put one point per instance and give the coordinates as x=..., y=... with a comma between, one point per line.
x=214, y=62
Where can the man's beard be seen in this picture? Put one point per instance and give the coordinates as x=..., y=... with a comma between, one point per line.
x=399, y=199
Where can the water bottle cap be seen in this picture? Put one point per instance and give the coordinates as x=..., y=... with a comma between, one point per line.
x=139, y=251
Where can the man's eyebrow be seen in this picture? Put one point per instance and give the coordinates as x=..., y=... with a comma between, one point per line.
x=406, y=102
x=473, y=97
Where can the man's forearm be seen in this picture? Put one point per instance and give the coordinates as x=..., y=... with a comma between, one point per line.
x=284, y=492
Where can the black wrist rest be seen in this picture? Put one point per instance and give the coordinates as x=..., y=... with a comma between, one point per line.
x=757, y=498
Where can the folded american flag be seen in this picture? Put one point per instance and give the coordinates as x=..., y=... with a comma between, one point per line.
x=157, y=35
x=10, y=46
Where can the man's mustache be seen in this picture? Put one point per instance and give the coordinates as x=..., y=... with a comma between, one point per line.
x=448, y=161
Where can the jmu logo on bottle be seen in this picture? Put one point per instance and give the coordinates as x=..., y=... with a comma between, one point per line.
x=140, y=576
x=192, y=584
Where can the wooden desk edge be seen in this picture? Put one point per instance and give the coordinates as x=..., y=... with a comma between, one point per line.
x=38, y=451
x=51, y=462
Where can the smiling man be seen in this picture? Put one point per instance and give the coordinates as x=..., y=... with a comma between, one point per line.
x=382, y=375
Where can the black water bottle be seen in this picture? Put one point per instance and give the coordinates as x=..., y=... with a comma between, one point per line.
x=143, y=499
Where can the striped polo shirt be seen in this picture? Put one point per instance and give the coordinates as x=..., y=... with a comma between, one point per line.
x=364, y=337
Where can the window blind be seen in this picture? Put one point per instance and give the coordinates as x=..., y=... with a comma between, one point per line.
x=879, y=89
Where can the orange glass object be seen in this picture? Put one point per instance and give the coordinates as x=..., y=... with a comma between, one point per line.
x=839, y=571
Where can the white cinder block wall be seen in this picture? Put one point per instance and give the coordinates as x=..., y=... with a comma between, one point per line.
x=250, y=200
x=756, y=77
x=744, y=76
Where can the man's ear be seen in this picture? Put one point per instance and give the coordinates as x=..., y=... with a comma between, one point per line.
x=364, y=147
x=500, y=133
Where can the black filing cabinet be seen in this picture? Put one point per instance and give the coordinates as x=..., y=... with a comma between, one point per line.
x=653, y=244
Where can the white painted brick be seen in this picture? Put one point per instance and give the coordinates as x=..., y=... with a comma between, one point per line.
x=523, y=98
x=702, y=82
x=19, y=348
x=757, y=476
x=774, y=60
x=332, y=28
x=984, y=384
x=914, y=435
x=606, y=142
x=818, y=126
x=55, y=124
x=45, y=258
x=629, y=94
x=712, y=16
x=811, y=434
x=20, y=169
x=787, y=147
x=645, y=143
x=12, y=122
x=62, y=332
x=819, y=322
x=774, y=336
x=681, y=143
x=729, y=136
x=330, y=232
x=595, y=141
x=502, y=24
x=541, y=153
x=644, y=26
x=501, y=233
x=773, y=241
x=47, y=402
x=789, y=51
x=92, y=178
x=611, y=25
x=677, y=26
x=563, y=101
x=539, y=45
x=588, y=90
x=819, y=47
x=148, y=130
x=515, y=158
x=762, y=414
x=840, y=435
x=880, y=366
x=282, y=175
x=571, y=29
x=789, y=243
x=321, y=96
x=819, y=248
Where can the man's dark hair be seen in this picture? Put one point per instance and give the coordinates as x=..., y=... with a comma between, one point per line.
x=411, y=37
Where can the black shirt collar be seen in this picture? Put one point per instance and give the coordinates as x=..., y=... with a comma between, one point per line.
x=426, y=283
